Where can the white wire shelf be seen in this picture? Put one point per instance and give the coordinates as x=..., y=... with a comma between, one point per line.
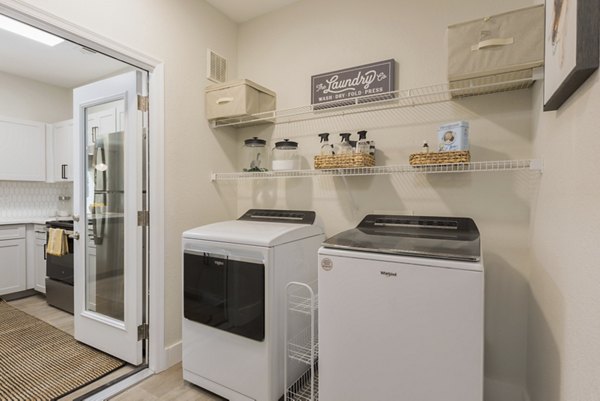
x=392, y=100
x=472, y=167
x=301, y=390
x=301, y=353
x=301, y=348
x=303, y=304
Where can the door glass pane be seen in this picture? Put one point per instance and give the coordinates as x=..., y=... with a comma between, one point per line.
x=105, y=191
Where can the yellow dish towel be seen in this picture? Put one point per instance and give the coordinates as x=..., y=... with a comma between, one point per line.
x=57, y=242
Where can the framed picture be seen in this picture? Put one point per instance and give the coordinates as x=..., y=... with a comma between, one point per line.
x=571, y=48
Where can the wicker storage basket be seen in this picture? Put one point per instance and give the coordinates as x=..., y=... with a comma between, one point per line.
x=420, y=159
x=344, y=161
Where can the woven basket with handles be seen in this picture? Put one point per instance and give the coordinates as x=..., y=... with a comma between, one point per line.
x=344, y=161
x=420, y=159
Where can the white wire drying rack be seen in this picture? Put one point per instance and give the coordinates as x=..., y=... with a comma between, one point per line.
x=399, y=99
x=302, y=346
x=472, y=167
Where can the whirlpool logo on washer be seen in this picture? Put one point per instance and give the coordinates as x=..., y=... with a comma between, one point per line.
x=388, y=274
x=326, y=264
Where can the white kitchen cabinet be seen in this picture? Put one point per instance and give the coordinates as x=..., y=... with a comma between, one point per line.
x=60, y=140
x=23, y=150
x=108, y=120
x=13, y=259
x=60, y=167
x=39, y=259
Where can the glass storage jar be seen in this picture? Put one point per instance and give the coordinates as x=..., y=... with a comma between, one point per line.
x=255, y=156
x=64, y=206
x=285, y=156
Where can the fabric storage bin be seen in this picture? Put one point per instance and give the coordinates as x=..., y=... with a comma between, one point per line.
x=512, y=41
x=240, y=98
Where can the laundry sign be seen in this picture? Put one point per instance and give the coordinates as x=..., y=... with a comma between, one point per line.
x=363, y=80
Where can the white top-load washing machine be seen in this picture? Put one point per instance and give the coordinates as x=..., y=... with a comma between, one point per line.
x=401, y=311
x=234, y=278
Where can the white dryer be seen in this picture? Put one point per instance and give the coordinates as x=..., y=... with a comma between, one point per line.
x=401, y=311
x=234, y=278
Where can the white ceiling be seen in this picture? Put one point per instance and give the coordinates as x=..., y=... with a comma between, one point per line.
x=245, y=10
x=66, y=64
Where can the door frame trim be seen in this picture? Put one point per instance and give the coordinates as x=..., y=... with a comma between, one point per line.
x=55, y=25
x=158, y=357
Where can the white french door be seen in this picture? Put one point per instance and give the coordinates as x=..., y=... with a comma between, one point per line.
x=109, y=191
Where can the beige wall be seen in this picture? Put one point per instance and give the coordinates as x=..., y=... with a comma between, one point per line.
x=564, y=325
x=177, y=33
x=283, y=49
x=33, y=100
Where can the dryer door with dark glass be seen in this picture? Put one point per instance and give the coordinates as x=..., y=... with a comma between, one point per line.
x=225, y=292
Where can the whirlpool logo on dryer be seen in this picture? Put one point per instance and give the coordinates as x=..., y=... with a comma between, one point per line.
x=388, y=274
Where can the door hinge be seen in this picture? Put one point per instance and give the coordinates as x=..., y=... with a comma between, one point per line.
x=143, y=218
x=142, y=103
x=142, y=331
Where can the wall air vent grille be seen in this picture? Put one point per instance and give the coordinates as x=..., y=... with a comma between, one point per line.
x=217, y=67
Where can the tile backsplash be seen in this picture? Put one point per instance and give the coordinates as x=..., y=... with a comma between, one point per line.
x=32, y=199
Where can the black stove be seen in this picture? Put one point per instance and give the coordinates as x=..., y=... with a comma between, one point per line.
x=64, y=224
x=59, y=271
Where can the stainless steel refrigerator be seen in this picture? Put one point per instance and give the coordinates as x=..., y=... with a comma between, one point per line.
x=106, y=226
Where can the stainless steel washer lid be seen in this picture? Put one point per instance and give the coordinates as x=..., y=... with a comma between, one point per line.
x=454, y=238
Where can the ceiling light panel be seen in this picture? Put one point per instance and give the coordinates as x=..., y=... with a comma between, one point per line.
x=11, y=25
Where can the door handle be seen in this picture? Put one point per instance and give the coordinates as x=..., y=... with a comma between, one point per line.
x=45, y=245
x=63, y=169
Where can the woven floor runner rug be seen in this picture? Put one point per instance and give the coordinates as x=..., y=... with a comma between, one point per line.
x=39, y=362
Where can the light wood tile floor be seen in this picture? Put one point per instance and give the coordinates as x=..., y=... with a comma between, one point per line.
x=166, y=386
x=37, y=306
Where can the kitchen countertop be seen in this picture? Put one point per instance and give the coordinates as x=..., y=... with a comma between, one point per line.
x=30, y=220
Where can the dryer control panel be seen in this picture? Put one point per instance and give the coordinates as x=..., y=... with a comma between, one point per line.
x=280, y=216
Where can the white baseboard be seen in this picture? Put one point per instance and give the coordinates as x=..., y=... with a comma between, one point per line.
x=497, y=390
x=173, y=354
